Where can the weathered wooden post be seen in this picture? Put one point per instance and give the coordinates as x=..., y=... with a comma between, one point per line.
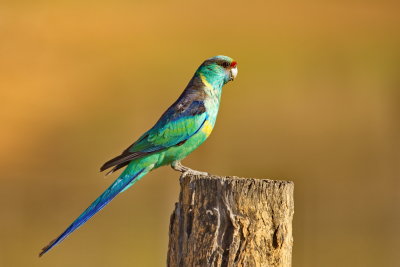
x=231, y=221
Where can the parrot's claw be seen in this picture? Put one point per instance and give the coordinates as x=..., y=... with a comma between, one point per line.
x=177, y=166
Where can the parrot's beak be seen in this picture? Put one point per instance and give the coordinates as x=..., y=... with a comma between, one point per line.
x=233, y=73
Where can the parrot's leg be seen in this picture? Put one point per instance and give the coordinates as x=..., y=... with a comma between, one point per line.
x=177, y=166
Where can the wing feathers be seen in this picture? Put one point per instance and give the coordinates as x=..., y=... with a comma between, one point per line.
x=125, y=157
x=182, y=120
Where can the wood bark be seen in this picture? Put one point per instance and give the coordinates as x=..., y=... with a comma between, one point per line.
x=231, y=221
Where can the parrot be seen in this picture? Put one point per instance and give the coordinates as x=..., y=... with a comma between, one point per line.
x=183, y=127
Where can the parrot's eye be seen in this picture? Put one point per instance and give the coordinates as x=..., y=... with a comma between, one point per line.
x=225, y=64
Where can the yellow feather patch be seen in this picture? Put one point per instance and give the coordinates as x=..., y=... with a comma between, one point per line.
x=207, y=128
x=206, y=83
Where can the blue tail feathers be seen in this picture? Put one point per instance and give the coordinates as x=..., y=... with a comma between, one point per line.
x=124, y=181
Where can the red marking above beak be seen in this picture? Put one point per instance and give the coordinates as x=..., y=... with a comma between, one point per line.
x=233, y=64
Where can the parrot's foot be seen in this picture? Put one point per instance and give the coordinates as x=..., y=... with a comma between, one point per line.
x=177, y=166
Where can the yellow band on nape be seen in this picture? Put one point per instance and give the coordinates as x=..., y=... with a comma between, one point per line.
x=205, y=82
x=207, y=128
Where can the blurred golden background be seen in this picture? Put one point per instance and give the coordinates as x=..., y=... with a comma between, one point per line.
x=316, y=101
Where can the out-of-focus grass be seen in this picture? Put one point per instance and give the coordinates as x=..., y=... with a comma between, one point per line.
x=316, y=101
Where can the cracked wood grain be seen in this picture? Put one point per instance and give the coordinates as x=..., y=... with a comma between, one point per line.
x=231, y=221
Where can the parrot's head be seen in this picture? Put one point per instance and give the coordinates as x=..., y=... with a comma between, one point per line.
x=218, y=70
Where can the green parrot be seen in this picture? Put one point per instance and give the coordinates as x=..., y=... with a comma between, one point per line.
x=185, y=125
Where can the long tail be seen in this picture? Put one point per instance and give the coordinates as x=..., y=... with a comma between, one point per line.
x=123, y=182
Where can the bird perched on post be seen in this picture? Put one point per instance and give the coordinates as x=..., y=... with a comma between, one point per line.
x=185, y=125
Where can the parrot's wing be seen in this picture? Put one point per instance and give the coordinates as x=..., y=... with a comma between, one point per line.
x=176, y=125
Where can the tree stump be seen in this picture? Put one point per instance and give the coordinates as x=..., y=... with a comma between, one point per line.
x=231, y=221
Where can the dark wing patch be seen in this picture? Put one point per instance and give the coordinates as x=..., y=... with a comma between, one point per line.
x=193, y=108
x=119, y=166
x=181, y=142
x=122, y=160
